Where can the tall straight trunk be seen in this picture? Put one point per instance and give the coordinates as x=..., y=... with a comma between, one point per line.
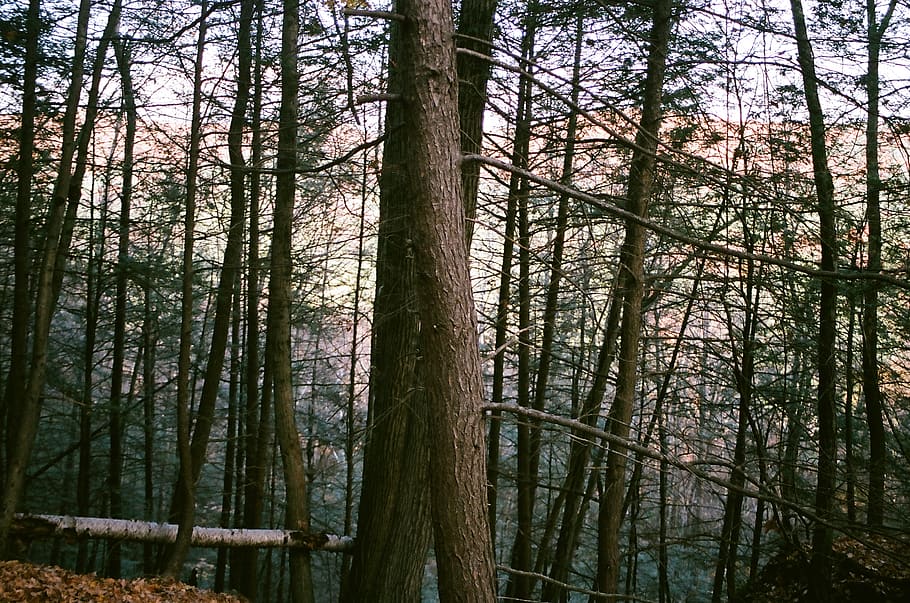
x=256, y=413
x=230, y=267
x=25, y=168
x=27, y=414
x=297, y=515
x=631, y=288
x=519, y=584
x=350, y=439
x=520, y=147
x=822, y=536
x=448, y=337
x=875, y=511
x=663, y=558
x=115, y=458
x=92, y=302
x=393, y=525
x=849, y=386
x=185, y=481
x=475, y=32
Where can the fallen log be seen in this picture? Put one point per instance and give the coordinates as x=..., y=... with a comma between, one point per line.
x=29, y=527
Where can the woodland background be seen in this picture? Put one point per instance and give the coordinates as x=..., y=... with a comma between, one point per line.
x=688, y=232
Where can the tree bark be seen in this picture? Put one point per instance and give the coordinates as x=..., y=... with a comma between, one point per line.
x=115, y=458
x=631, y=290
x=393, y=525
x=448, y=336
x=257, y=412
x=519, y=159
x=475, y=32
x=67, y=526
x=25, y=168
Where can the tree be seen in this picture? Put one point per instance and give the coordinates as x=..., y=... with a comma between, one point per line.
x=448, y=337
x=393, y=524
x=19, y=445
x=186, y=480
x=630, y=289
x=820, y=580
x=279, y=317
x=870, y=325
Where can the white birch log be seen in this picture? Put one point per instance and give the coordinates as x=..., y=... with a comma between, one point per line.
x=39, y=526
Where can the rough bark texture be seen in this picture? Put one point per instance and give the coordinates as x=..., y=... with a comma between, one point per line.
x=820, y=579
x=448, y=335
x=393, y=524
x=631, y=288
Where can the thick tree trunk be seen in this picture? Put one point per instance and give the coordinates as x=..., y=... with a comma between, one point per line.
x=631, y=289
x=393, y=525
x=820, y=578
x=448, y=335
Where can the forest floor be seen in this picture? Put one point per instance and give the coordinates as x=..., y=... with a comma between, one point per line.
x=874, y=568
x=50, y=584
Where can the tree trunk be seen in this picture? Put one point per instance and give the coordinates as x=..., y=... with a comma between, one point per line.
x=230, y=267
x=46, y=526
x=25, y=168
x=475, y=32
x=875, y=511
x=186, y=482
x=256, y=414
x=393, y=525
x=297, y=515
x=631, y=289
x=115, y=458
x=820, y=578
x=743, y=369
x=448, y=337
x=29, y=411
x=519, y=159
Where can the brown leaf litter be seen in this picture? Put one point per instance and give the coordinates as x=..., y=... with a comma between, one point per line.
x=49, y=584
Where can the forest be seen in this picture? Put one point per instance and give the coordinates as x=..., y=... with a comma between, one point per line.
x=488, y=300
